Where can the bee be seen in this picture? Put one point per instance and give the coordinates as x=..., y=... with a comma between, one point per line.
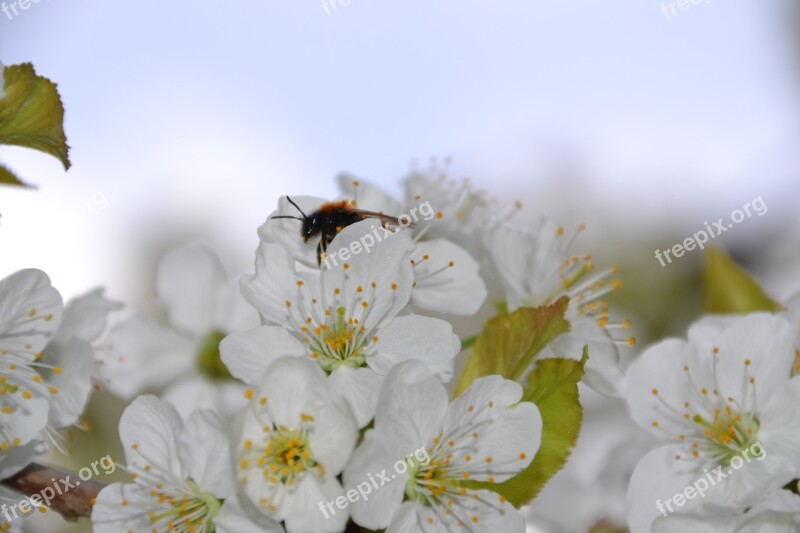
x=331, y=218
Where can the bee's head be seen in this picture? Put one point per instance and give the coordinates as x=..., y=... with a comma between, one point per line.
x=310, y=227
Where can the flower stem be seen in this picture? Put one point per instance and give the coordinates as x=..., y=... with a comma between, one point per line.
x=72, y=503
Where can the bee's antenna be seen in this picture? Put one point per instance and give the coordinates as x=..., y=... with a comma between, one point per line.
x=287, y=216
x=296, y=207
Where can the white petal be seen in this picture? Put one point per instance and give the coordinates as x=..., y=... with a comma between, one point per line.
x=30, y=312
x=302, y=512
x=233, y=518
x=768, y=343
x=9, y=498
x=110, y=516
x=275, y=283
x=488, y=514
x=26, y=421
x=707, y=329
x=144, y=354
x=368, y=471
x=603, y=371
x=376, y=269
x=293, y=386
x=18, y=457
x=661, y=369
x=247, y=354
x=696, y=523
x=780, y=426
x=447, y=279
x=359, y=387
x=412, y=405
x=233, y=313
x=225, y=398
x=75, y=357
x=500, y=435
x=189, y=280
x=416, y=338
x=335, y=436
x=149, y=430
x=528, y=261
x=656, y=480
x=777, y=513
x=85, y=316
x=205, y=453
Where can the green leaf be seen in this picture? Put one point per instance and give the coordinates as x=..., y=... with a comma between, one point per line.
x=729, y=289
x=553, y=387
x=9, y=178
x=31, y=113
x=508, y=344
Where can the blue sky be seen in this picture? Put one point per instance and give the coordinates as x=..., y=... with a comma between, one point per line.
x=199, y=114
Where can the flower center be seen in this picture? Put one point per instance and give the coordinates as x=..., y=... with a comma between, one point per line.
x=728, y=433
x=209, y=362
x=429, y=482
x=191, y=509
x=339, y=342
x=287, y=456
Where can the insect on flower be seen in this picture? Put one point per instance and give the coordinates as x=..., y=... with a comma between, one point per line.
x=331, y=218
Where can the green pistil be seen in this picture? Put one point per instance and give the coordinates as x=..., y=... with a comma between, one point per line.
x=339, y=344
x=585, y=269
x=288, y=455
x=209, y=362
x=433, y=478
x=178, y=513
x=729, y=433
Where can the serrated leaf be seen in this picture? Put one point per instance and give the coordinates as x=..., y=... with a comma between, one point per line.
x=31, y=113
x=508, y=344
x=9, y=178
x=553, y=387
x=729, y=289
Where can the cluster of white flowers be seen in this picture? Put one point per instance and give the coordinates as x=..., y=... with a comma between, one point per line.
x=346, y=373
x=46, y=361
x=285, y=397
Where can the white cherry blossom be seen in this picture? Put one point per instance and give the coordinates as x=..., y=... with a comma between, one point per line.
x=722, y=405
x=536, y=268
x=202, y=306
x=183, y=477
x=295, y=439
x=30, y=314
x=345, y=318
x=486, y=434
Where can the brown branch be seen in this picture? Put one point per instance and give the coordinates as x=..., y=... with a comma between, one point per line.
x=76, y=495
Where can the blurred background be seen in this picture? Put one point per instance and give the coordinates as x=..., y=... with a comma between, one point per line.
x=187, y=120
